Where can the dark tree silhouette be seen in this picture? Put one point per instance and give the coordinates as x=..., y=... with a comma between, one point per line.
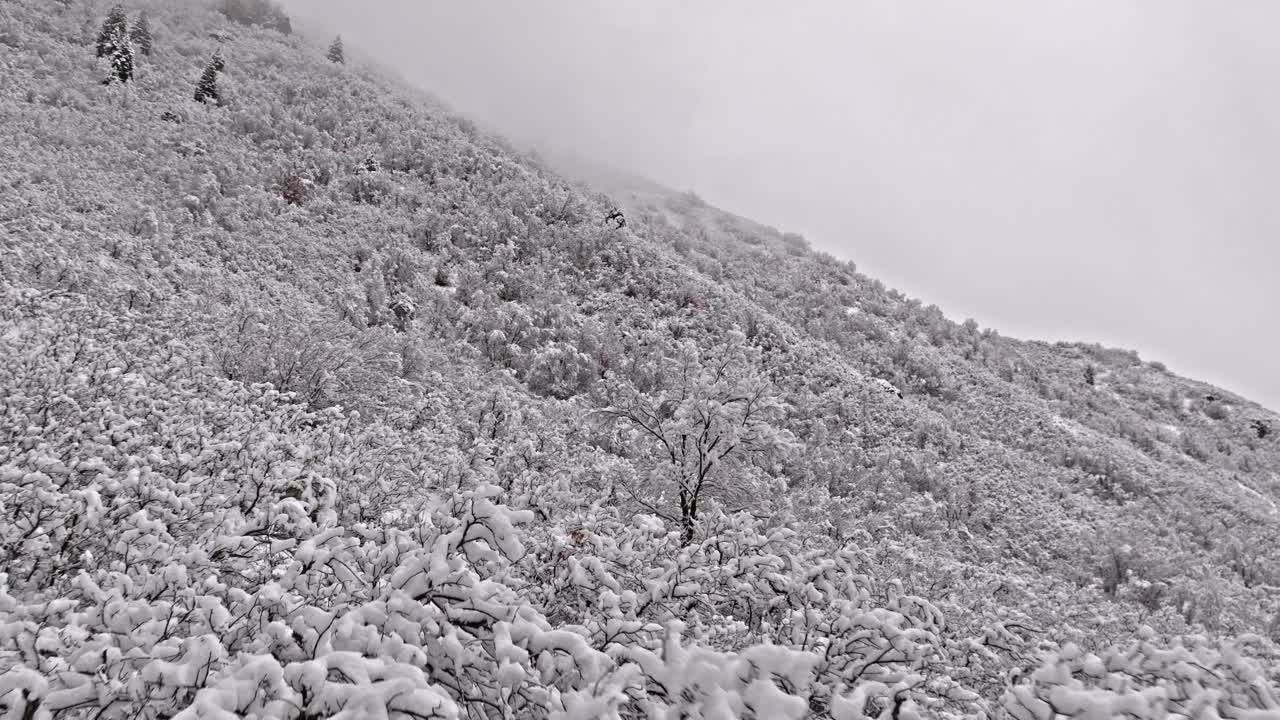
x=336, y=53
x=116, y=26
x=1261, y=428
x=207, y=88
x=122, y=58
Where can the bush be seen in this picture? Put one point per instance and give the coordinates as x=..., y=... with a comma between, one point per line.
x=322, y=363
x=1216, y=410
x=369, y=188
x=293, y=188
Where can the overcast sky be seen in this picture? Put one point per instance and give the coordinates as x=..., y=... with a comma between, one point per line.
x=1088, y=170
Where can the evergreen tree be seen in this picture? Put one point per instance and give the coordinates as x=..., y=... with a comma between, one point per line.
x=122, y=57
x=140, y=34
x=207, y=88
x=336, y=53
x=115, y=26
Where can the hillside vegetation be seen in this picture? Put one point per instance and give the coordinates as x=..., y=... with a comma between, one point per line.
x=320, y=402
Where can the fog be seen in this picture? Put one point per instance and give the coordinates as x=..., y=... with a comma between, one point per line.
x=1085, y=170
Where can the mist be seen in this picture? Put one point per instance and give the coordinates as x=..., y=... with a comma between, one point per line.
x=1083, y=170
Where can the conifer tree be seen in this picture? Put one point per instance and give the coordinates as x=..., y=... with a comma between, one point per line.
x=115, y=26
x=140, y=34
x=207, y=88
x=121, y=57
x=336, y=53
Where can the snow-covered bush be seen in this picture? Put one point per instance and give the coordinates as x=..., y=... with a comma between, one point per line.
x=1193, y=677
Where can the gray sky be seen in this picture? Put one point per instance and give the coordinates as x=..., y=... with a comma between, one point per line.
x=1088, y=170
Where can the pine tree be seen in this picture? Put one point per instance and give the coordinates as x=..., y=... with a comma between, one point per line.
x=207, y=88
x=140, y=34
x=115, y=26
x=122, y=57
x=336, y=53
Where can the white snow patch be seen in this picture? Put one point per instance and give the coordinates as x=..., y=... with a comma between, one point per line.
x=887, y=386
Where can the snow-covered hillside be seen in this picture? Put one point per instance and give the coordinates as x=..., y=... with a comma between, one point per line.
x=318, y=401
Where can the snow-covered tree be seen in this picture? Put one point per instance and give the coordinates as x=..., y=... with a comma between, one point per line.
x=140, y=33
x=705, y=418
x=207, y=87
x=113, y=29
x=122, y=59
x=336, y=53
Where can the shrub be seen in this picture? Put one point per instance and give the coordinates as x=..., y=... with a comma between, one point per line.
x=293, y=188
x=321, y=363
x=369, y=188
x=1216, y=410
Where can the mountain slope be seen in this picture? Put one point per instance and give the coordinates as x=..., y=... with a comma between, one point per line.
x=320, y=400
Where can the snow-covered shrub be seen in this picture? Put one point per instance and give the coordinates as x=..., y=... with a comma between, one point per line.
x=369, y=188
x=321, y=365
x=1193, y=677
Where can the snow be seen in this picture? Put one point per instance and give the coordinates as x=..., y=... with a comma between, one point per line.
x=192, y=525
x=1270, y=502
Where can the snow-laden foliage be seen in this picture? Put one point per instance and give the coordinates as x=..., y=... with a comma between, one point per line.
x=700, y=416
x=180, y=542
x=114, y=28
x=317, y=401
x=1195, y=677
